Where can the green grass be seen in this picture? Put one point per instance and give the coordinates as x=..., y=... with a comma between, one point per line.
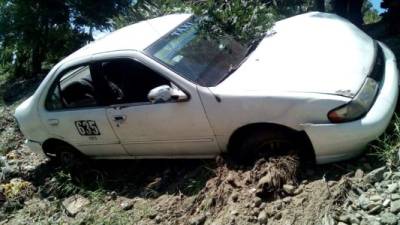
x=387, y=147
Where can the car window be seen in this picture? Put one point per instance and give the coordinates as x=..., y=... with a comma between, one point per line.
x=74, y=89
x=129, y=81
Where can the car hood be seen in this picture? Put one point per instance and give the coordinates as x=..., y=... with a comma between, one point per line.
x=314, y=52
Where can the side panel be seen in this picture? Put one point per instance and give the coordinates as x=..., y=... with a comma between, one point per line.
x=236, y=110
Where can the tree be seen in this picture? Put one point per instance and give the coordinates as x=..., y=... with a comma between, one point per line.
x=392, y=16
x=350, y=9
x=38, y=30
x=319, y=5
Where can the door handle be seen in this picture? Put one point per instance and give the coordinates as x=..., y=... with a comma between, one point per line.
x=53, y=122
x=119, y=118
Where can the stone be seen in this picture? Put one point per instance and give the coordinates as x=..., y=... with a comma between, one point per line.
x=363, y=202
x=387, y=175
x=158, y=219
x=257, y=202
x=375, y=210
x=155, y=184
x=376, y=198
x=127, y=204
x=395, y=197
x=74, y=204
x=341, y=223
x=289, y=189
x=234, y=213
x=392, y=188
x=370, y=220
x=389, y=219
x=344, y=218
x=395, y=206
x=198, y=220
x=298, y=190
x=359, y=174
x=262, y=217
x=386, y=203
x=328, y=220
x=375, y=175
x=234, y=197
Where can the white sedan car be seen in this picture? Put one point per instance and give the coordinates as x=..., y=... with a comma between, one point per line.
x=162, y=88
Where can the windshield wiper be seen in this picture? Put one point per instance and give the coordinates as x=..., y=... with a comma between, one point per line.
x=252, y=46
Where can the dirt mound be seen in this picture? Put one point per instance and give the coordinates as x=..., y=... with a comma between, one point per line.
x=179, y=192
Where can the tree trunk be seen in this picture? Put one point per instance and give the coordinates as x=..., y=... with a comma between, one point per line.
x=349, y=9
x=319, y=5
x=36, y=61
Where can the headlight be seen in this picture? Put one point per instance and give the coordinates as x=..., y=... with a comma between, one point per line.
x=359, y=106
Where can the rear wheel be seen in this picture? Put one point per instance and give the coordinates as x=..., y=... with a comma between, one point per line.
x=64, y=154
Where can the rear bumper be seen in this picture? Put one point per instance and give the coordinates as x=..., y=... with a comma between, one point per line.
x=35, y=147
x=335, y=142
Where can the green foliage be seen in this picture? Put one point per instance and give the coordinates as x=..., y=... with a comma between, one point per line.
x=244, y=20
x=145, y=9
x=370, y=15
x=388, y=145
x=34, y=31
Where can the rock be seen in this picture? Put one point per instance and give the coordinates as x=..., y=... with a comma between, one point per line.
x=395, y=206
x=328, y=220
x=375, y=210
x=198, y=220
x=152, y=215
x=155, y=184
x=344, y=218
x=389, y=218
x=158, y=219
x=341, y=223
x=363, y=202
x=234, y=197
x=376, y=198
x=127, y=204
x=289, y=189
x=298, y=190
x=257, y=202
x=386, y=203
x=375, y=175
x=395, y=197
x=234, y=213
x=392, y=188
x=74, y=204
x=262, y=217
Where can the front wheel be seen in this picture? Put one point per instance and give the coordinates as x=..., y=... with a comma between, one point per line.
x=265, y=143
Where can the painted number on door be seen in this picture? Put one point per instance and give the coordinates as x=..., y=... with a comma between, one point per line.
x=87, y=127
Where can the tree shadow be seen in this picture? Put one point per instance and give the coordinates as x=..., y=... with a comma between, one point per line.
x=129, y=178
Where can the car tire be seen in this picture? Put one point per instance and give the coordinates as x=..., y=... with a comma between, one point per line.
x=264, y=143
x=67, y=156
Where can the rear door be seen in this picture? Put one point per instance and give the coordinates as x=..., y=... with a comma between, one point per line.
x=76, y=114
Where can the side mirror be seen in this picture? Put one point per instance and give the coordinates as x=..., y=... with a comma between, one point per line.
x=166, y=93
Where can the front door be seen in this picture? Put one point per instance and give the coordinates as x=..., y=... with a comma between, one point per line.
x=75, y=114
x=160, y=129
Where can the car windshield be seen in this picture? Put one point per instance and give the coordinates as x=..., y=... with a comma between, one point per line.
x=204, y=58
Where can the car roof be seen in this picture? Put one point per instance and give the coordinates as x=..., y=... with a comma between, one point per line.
x=137, y=36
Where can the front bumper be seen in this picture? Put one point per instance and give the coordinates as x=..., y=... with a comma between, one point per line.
x=335, y=142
